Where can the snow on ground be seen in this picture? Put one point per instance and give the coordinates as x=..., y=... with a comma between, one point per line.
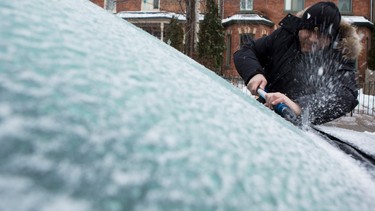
x=363, y=117
x=366, y=103
x=356, y=122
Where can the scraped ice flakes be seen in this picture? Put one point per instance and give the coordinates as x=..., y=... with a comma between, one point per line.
x=320, y=71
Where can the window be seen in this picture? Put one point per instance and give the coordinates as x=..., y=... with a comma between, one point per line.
x=110, y=5
x=246, y=38
x=156, y=4
x=246, y=5
x=229, y=50
x=345, y=6
x=294, y=5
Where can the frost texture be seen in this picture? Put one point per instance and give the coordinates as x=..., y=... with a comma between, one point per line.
x=96, y=114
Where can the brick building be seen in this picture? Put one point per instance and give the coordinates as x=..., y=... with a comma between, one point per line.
x=242, y=19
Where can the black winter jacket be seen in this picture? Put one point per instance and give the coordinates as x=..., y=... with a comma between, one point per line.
x=322, y=83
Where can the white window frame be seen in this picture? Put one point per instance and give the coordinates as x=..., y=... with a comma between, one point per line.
x=341, y=5
x=156, y=4
x=246, y=5
x=110, y=5
x=148, y=5
x=294, y=5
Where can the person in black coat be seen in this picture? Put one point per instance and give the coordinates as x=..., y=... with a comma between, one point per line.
x=308, y=64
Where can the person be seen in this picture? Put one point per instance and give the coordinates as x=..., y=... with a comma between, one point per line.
x=308, y=64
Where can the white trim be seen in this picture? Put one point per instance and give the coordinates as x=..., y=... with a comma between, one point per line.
x=356, y=19
x=151, y=15
x=248, y=17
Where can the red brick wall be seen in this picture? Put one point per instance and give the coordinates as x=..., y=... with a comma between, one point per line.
x=272, y=9
x=362, y=59
x=129, y=5
x=231, y=7
x=175, y=6
x=165, y=5
x=361, y=7
x=100, y=3
x=172, y=6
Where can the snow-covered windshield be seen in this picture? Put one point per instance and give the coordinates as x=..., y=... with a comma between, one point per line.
x=96, y=114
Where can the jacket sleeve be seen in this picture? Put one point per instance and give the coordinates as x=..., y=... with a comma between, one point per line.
x=252, y=57
x=332, y=100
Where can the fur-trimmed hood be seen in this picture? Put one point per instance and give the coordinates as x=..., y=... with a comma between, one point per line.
x=349, y=43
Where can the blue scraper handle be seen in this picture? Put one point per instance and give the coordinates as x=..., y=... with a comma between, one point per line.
x=281, y=109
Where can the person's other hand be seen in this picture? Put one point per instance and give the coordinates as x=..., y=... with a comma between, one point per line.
x=275, y=98
x=257, y=81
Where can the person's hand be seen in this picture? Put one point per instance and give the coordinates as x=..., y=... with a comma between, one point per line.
x=275, y=98
x=257, y=81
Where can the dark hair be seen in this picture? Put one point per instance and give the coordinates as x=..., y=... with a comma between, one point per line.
x=324, y=17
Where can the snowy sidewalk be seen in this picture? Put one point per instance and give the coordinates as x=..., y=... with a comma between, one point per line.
x=357, y=122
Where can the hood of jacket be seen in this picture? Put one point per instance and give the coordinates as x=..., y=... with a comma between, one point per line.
x=349, y=42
